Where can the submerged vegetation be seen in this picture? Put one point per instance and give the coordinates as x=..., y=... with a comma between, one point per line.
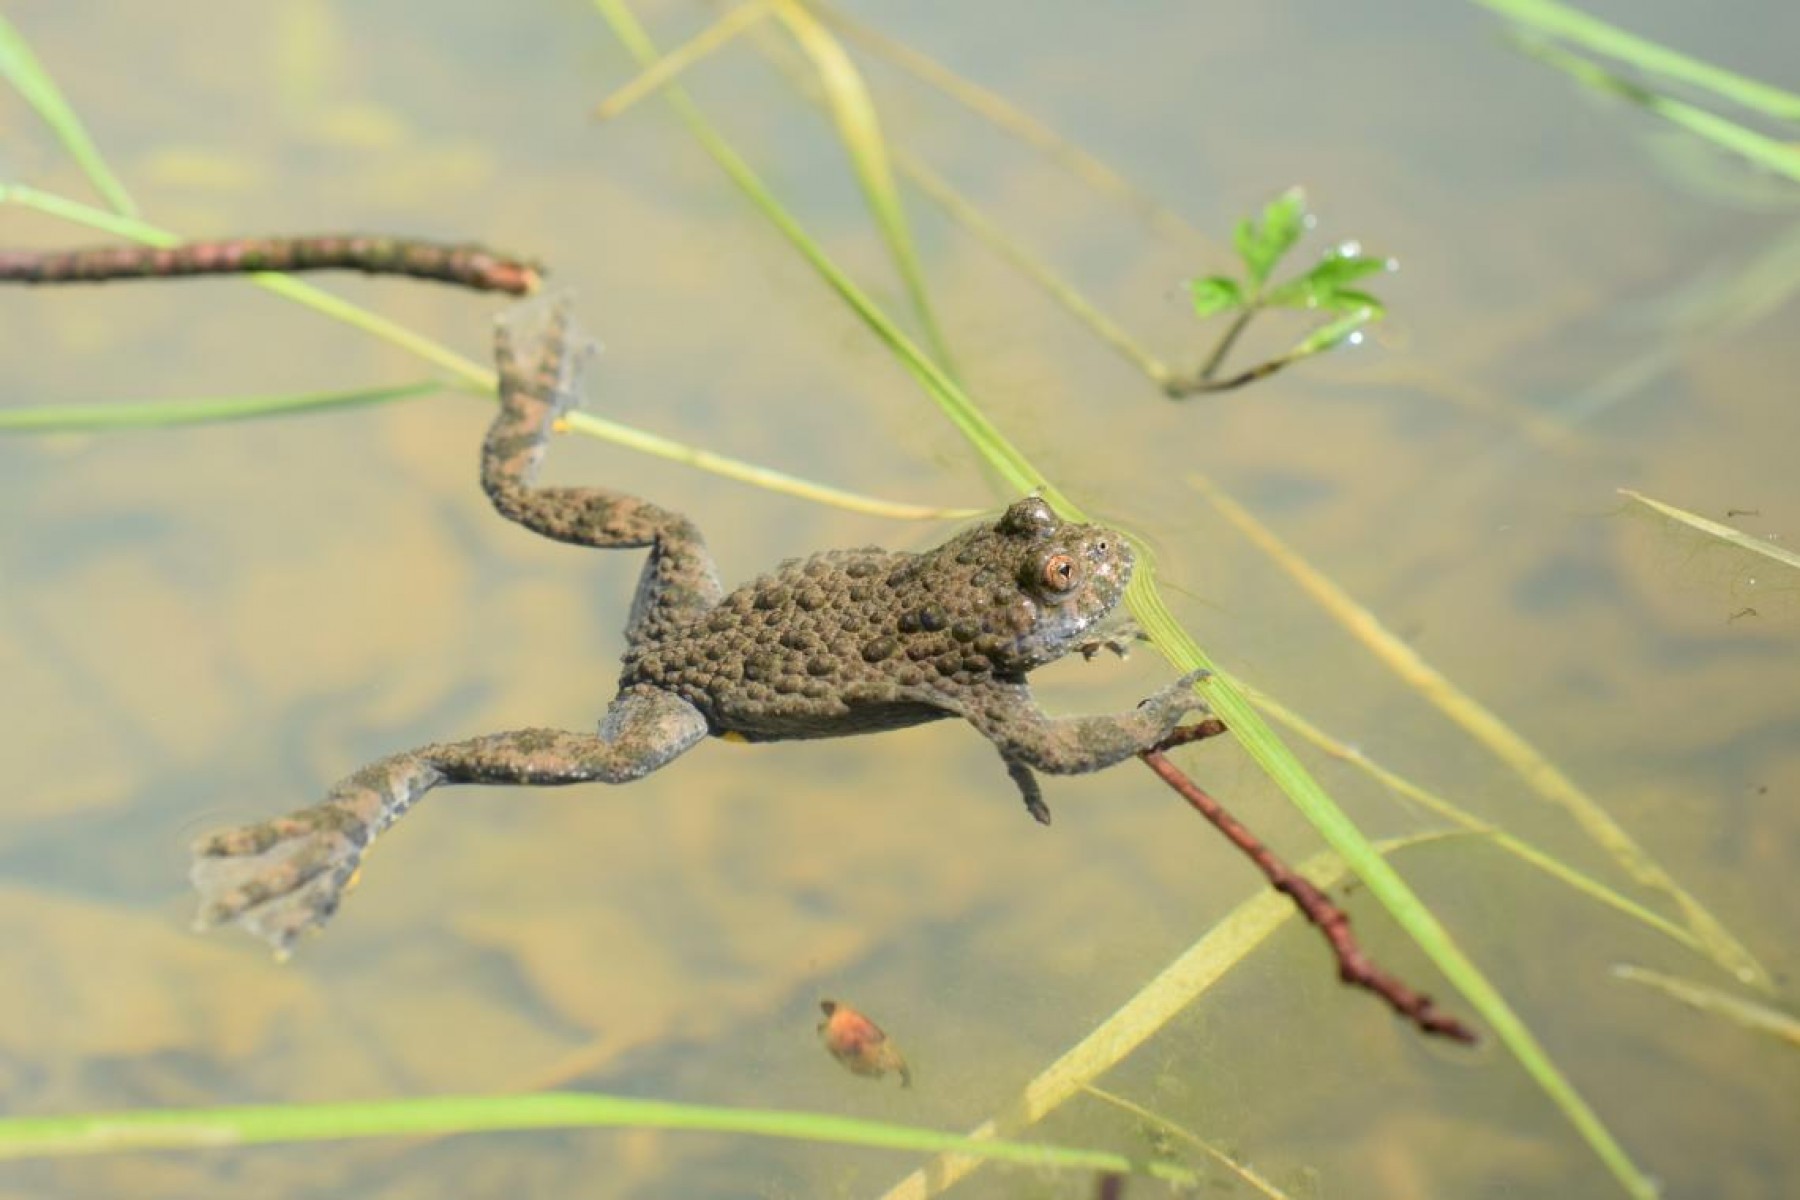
x=1333, y=288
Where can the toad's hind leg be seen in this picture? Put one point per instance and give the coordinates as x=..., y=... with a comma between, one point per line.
x=679, y=581
x=284, y=876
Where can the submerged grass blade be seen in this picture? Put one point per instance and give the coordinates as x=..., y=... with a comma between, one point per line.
x=1014, y=469
x=1003, y=114
x=1739, y=1011
x=97, y=418
x=858, y=128
x=750, y=473
x=1573, y=25
x=1147, y=606
x=665, y=69
x=1243, y=1171
x=20, y=67
x=1771, y=153
x=1527, y=853
x=477, y=378
x=993, y=234
x=1724, y=533
x=1153, y=1006
x=1485, y=727
x=206, y=1128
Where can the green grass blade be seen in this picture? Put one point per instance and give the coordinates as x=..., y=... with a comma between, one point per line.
x=1244, y=1172
x=750, y=473
x=990, y=232
x=1724, y=533
x=98, y=418
x=1147, y=606
x=1559, y=20
x=20, y=67
x=1012, y=466
x=480, y=379
x=211, y=1128
x=1007, y=117
x=1771, y=153
x=664, y=70
x=858, y=128
x=1739, y=1011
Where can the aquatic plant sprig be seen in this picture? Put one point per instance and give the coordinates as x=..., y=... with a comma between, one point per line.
x=1261, y=244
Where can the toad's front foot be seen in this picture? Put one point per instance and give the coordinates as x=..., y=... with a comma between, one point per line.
x=1174, y=702
x=279, y=878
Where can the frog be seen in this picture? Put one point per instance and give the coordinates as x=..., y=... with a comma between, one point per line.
x=840, y=643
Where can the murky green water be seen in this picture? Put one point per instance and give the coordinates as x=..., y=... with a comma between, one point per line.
x=204, y=626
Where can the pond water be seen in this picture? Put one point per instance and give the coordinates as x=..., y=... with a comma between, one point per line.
x=208, y=625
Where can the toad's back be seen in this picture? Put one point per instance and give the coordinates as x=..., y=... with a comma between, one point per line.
x=845, y=642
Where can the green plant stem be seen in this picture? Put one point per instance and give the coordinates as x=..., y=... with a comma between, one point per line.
x=990, y=232
x=207, y=1128
x=1770, y=153
x=1559, y=20
x=1216, y=359
x=20, y=67
x=94, y=418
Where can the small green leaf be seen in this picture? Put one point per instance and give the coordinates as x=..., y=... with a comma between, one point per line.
x=1262, y=244
x=1316, y=288
x=1334, y=333
x=1339, y=268
x=1215, y=294
x=1350, y=300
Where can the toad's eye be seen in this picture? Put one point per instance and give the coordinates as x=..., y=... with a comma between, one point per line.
x=1059, y=573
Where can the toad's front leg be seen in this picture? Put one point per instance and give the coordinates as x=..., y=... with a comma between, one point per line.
x=1028, y=738
x=281, y=877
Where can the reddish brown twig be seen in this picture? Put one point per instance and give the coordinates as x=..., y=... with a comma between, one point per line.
x=466, y=265
x=1354, y=966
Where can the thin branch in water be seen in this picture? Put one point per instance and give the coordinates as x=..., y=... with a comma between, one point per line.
x=466, y=264
x=1355, y=967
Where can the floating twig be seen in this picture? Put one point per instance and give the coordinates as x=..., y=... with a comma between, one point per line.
x=1355, y=967
x=465, y=264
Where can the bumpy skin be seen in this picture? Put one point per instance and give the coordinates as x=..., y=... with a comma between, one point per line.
x=845, y=642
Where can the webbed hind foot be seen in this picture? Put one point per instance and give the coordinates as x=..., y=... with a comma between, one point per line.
x=279, y=878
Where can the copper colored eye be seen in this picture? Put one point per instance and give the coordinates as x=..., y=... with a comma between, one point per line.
x=1059, y=572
